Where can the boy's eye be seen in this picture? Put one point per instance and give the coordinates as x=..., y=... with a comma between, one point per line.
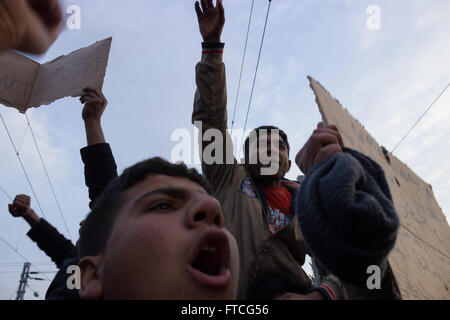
x=161, y=206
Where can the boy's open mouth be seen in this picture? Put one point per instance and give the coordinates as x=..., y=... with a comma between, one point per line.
x=210, y=259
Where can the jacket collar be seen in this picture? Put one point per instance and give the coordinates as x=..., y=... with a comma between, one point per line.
x=292, y=186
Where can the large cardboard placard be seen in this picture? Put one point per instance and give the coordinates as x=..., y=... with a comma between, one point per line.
x=420, y=259
x=25, y=83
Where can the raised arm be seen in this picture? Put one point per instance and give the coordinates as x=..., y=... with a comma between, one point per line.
x=48, y=239
x=210, y=112
x=94, y=105
x=99, y=164
x=346, y=213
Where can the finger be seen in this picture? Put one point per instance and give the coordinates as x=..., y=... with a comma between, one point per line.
x=210, y=4
x=43, y=25
x=334, y=128
x=103, y=97
x=89, y=100
x=21, y=201
x=198, y=10
x=327, y=152
x=85, y=100
x=48, y=10
x=11, y=209
x=19, y=206
x=299, y=154
x=204, y=5
x=221, y=9
x=329, y=127
x=25, y=200
x=24, y=197
x=305, y=157
x=89, y=95
x=20, y=197
x=92, y=93
x=323, y=138
x=333, y=131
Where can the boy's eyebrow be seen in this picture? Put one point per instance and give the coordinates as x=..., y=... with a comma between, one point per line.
x=173, y=192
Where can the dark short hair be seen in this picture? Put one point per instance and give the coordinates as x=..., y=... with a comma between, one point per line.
x=267, y=128
x=95, y=231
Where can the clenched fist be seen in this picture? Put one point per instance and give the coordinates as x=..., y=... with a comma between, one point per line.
x=323, y=143
x=29, y=25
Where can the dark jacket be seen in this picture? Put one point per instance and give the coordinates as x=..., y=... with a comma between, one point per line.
x=99, y=169
x=53, y=243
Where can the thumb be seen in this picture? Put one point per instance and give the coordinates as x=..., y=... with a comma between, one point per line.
x=11, y=209
x=320, y=125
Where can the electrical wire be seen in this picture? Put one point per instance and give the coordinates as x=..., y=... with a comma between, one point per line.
x=48, y=177
x=6, y=193
x=21, y=255
x=23, y=167
x=257, y=67
x=242, y=66
x=415, y=124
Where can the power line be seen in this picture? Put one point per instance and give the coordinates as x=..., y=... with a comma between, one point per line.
x=242, y=65
x=11, y=264
x=22, y=222
x=23, y=167
x=257, y=66
x=21, y=255
x=6, y=193
x=23, y=138
x=20, y=233
x=48, y=177
x=404, y=137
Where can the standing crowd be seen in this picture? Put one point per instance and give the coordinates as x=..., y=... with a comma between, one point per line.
x=165, y=231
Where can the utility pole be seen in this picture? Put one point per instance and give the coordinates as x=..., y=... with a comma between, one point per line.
x=23, y=281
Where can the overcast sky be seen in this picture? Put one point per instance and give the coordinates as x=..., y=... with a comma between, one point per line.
x=386, y=78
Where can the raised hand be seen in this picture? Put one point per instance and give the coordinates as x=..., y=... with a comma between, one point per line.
x=323, y=143
x=211, y=19
x=20, y=206
x=95, y=103
x=29, y=25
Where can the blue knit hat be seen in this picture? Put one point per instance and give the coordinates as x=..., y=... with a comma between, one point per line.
x=346, y=215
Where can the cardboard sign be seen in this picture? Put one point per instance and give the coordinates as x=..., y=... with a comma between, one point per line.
x=420, y=259
x=25, y=83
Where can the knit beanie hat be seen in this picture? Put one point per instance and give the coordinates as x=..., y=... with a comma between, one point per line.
x=346, y=215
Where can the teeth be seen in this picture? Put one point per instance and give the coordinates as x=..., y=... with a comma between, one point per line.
x=207, y=248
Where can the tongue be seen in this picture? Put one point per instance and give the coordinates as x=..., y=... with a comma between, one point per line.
x=208, y=262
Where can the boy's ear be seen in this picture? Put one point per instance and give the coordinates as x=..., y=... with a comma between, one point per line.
x=289, y=165
x=91, y=283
